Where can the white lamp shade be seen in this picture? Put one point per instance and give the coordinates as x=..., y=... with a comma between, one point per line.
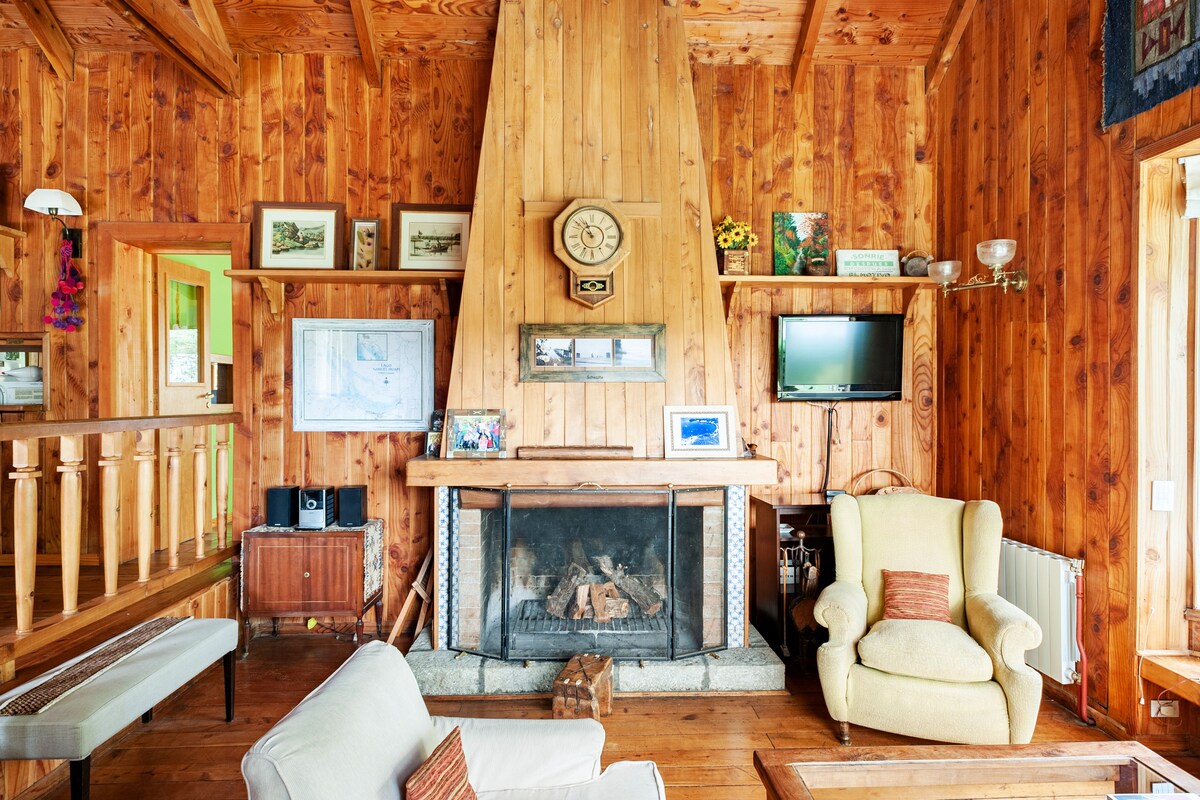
x=945, y=271
x=53, y=201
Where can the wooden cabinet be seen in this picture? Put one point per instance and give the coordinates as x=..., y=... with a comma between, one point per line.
x=293, y=573
x=780, y=558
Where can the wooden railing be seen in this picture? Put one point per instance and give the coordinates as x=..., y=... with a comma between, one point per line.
x=70, y=435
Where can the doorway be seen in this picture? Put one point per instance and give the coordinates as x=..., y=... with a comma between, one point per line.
x=164, y=307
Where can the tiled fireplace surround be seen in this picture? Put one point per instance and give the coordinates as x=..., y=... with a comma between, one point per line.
x=459, y=559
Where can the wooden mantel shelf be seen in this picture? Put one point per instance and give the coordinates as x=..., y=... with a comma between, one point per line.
x=430, y=471
x=274, y=280
x=906, y=284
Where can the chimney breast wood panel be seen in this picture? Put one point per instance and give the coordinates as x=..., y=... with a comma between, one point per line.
x=590, y=100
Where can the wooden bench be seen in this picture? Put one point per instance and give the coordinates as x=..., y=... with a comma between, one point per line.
x=80, y=721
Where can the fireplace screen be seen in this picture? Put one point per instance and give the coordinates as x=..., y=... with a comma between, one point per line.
x=545, y=574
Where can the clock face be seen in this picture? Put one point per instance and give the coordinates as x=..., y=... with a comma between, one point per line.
x=591, y=235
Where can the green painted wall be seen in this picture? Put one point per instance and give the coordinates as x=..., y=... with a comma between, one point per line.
x=221, y=305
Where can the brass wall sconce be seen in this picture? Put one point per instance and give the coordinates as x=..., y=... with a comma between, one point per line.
x=994, y=254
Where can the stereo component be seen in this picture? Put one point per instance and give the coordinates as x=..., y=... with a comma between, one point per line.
x=316, y=508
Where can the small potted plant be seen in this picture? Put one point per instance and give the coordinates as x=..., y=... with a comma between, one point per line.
x=734, y=239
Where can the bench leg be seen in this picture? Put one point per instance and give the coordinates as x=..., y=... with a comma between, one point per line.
x=358, y=629
x=229, y=680
x=149, y=715
x=81, y=778
x=379, y=618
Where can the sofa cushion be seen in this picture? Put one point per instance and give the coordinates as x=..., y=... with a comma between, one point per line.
x=443, y=776
x=916, y=595
x=627, y=780
x=920, y=648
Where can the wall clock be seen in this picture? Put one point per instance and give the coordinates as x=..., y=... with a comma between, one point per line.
x=591, y=237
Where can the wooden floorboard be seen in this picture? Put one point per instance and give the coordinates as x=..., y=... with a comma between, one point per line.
x=703, y=745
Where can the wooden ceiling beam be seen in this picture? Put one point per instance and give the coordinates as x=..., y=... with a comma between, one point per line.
x=49, y=35
x=368, y=42
x=176, y=36
x=210, y=23
x=810, y=27
x=957, y=17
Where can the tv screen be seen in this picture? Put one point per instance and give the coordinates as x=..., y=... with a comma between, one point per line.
x=840, y=357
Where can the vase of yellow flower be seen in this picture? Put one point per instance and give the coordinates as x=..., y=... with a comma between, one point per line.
x=734, y=239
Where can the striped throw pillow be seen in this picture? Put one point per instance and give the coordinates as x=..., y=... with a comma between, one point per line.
x=916, y=595
x=443, y=776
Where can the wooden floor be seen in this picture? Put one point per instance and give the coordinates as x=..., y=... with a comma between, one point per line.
x=703, y=746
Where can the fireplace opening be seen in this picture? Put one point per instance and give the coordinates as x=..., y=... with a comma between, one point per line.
x=545, y=574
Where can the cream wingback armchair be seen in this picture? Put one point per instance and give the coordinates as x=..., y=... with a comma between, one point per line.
x=962, y=682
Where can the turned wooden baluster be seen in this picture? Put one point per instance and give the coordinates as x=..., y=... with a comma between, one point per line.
x=200, y=485
x=222, y=483
x=110, y=508
x=145, y=459
x=174, y=485
x=70, y=516
x=25, y=524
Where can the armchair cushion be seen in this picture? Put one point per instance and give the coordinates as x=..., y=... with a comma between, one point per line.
x=920, y=648
x=916, y=595
x=511, y=753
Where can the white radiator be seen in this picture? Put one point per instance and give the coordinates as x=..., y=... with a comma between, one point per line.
x=1042, y=584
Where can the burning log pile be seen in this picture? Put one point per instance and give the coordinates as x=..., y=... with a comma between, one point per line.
x=583, y=594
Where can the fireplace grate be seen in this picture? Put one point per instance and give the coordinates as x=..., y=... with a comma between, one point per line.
x=533, y=618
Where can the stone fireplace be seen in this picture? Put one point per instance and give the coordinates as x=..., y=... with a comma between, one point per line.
x=533, y=574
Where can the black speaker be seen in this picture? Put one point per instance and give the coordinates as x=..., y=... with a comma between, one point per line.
x=283, y=506
x=316, y=508
x=352, y=506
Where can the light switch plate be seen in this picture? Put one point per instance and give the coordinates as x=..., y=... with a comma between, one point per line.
x=1162, y=495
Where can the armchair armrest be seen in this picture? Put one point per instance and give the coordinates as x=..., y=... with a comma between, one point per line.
x=1006, y=632
x=842, y=608
x=512, y=753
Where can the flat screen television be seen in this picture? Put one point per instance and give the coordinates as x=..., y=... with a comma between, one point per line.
x=840, y=357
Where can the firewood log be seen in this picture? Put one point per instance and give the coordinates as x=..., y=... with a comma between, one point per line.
x=564, y=593
x=644, y=595
x=616, y=607
x=599, y=596
x=582, y=603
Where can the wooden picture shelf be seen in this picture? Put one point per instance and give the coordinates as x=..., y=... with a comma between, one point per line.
x=274, y=280
x=908, y=285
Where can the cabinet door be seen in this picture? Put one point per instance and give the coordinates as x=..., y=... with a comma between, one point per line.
x=334, y=568
x=275, y=574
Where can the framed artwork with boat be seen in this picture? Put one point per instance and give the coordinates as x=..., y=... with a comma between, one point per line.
x=426, y=236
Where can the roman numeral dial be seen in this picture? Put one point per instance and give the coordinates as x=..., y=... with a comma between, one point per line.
x=591, y=235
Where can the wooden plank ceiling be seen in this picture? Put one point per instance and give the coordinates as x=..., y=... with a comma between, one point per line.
x=718, y=31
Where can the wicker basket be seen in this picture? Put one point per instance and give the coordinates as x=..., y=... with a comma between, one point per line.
x=905, y=488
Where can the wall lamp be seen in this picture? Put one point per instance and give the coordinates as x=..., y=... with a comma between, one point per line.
x=57, y=204
x=994, y=254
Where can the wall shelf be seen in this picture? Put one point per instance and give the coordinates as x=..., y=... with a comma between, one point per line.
x=430, y=471
x=274, y=280
x=906, y=284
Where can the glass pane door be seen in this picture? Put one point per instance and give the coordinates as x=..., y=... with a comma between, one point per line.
x=698, y=571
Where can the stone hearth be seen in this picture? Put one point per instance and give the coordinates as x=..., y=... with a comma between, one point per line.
x=745, y=669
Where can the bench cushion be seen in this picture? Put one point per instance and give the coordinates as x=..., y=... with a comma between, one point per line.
x=84, y=719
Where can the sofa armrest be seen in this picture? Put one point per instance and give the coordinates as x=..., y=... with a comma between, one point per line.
x=1006, y=632
x=527, y=753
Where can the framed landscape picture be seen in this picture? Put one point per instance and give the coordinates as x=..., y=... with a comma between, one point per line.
x=430, y=236
x=362, y=374
x=297, y=235
x=699, y=432
x=633, y=353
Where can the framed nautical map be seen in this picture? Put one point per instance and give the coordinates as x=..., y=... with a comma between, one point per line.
x=362, y=374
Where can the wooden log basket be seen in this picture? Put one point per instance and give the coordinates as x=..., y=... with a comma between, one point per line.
x=584, y=688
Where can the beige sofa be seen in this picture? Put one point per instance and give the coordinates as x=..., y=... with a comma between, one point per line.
x=966, y=682
x=361, y=733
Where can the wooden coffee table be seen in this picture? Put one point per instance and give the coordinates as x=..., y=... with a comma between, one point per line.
x=1077, y=770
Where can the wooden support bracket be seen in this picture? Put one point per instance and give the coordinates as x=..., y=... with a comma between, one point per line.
x=274, y=291
x=8, y=242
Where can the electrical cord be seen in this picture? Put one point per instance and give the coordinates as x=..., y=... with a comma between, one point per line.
x=830, y=415
x=338, y=634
